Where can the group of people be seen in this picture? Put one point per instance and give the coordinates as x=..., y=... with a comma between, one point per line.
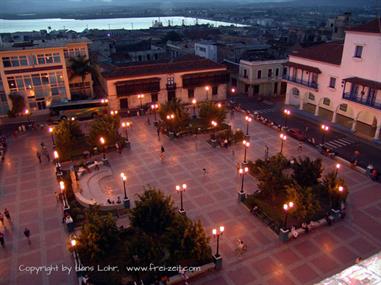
x=6, y=216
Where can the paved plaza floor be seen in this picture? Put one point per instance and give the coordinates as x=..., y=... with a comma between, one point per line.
x=27, y=189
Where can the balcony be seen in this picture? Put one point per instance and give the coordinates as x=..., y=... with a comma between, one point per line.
x=308, y=84
x=363, y=101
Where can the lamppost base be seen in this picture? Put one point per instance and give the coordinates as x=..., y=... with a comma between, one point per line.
x=241, y=196
x=182, y=211
x=244, y=163
x=217, y=261
x=126, y=203
x=283, y=234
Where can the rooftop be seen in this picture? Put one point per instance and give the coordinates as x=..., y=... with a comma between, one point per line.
x=327, y=52
x=33, y=44
x=373, y=27
x=182, y=64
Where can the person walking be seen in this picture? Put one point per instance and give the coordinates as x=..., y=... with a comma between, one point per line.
x=162, y=153
x=38, y=154
x=2, y=241
x=1, y=218
x=27, y=235
x=158, y=132
x=7, y=214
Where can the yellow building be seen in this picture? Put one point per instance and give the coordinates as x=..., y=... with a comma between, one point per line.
x=39, y=71
x=185, y=78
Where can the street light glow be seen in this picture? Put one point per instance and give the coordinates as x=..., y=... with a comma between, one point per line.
x=214, y=123
x=246, y=143
x=341, y=188
x=73, y=242
x=207, y=88
x=283, y=137
x=286, y=112
x=338, y=166
x=194, y=101
x=51, y=129
x=55, y=154
x=102, y=140
x=62, y=185
x=324, y=128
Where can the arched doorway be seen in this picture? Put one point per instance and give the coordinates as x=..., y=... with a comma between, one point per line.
x=325, y=109
x=309, y=102
x=344, y=115
x=366, y=124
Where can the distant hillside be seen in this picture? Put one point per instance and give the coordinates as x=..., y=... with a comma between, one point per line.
x=338, y=3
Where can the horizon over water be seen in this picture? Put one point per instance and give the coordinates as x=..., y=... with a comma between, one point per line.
x=78, y=25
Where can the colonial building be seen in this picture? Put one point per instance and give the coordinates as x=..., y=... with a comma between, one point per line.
x=185, y=78
x=341, y=82
x=38, y=70
x=261, y=77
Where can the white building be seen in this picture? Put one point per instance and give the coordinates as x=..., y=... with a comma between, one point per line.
x=341, y=82
x=38, y=70
x=207, y=50
x=261, y=78
x=185, y=78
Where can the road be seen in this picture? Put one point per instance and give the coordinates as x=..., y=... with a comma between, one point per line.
x=343, y=144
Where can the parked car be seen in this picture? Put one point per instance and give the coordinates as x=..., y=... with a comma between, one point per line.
x=297, y=134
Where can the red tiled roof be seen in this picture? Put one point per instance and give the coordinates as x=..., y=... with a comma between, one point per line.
x=188, y=63
x=370, y=27
x=364, y=82
x=327, y=52
x=302, y=66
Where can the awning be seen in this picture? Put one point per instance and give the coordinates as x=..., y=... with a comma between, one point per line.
x=134, y=87
x=364, y=82
x=302, y=66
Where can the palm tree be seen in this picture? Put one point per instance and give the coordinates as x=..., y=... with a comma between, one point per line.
x=80, y=66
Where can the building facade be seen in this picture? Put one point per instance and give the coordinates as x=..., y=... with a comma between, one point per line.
x=341, y=82
x=261, y=78
x=185, y=78
x=39, y=71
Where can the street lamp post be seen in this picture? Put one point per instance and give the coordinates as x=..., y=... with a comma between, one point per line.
x=103, y=142
x=51, y=132
x=232, y=90
x=170, y=118
x=246, y=144
x=113, y=113
x=126, y=125
x=248, y=120
x=325, y=129
x=126, y=201
x=216, y=234
x=180, y=189
x=283, y=138
x=194, y=104
x=286, y=113
x=287, y=207
x=73, y=243
x=62, y=188
x=27, y=114
x=341, y=191
x=140, y=97
x=154, y=107
x=337, y=167
x=207, y=92
x=242, y=172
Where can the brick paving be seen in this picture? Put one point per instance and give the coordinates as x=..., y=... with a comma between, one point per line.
x=27, y=190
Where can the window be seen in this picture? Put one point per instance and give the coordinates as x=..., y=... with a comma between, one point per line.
x=190, y=93
x=295, y=92
x=270, y=73
x=332, y=82
x=11, y=83
x=246, y=88
x=20, y=82
x=284, y=71
x=15, y=61
x=326, y=101
x=49, y=58
x=154, y=97
x=311, y=97
x=214, y=90
x=202, y=49
x=277, y=72
x=41, y=59
x=276, y=88
x=23, y=61
x=244, y=73
x=36, y=79
x=358, y=51
x=56, y=58
x=259, y=74
x=170, y=80
x=148, y=57
x=155, y=56
x=234, y=82
x=7, y=62
x=45, y=78
x=343, y=107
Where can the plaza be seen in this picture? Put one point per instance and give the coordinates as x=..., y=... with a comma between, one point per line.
x=27, y=190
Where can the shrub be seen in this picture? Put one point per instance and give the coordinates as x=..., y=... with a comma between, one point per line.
x=209, y=111
x=106, y=126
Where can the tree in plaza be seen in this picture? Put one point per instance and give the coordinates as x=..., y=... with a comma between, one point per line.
x=209, y=111
x=106, y=126
x=271, y=176
x=68, y=135
x=18, y=103
x=330, y=188
x=306, y=206
x=180, y=118
x=80, y=67
x=187, y=240
x=153, y=213
x=307, y=172
x=99, y=235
